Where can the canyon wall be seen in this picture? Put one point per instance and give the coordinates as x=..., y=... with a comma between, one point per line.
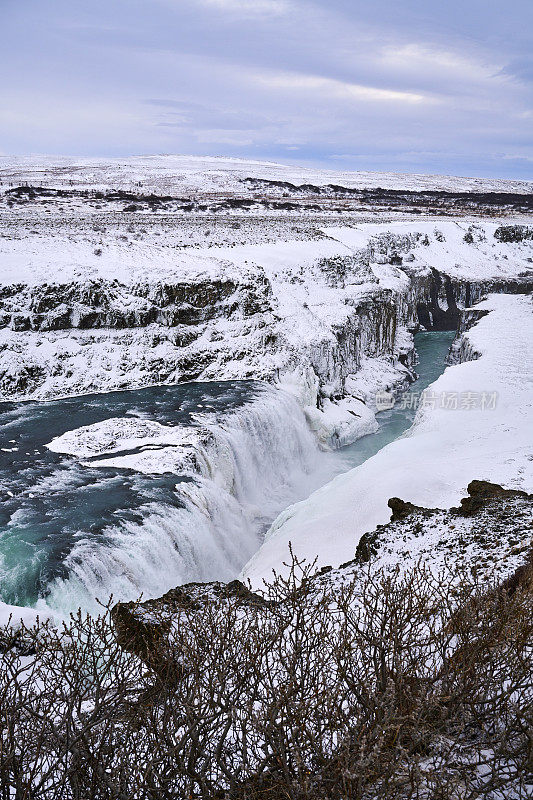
x=329, y=316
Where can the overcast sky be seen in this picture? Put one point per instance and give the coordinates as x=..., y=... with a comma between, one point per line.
x=438, y=86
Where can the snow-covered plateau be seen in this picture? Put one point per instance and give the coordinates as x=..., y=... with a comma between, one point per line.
x=163, y=270
x=199, y=174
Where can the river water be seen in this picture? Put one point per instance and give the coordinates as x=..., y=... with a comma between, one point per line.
x=75, y=527
x=432, y=348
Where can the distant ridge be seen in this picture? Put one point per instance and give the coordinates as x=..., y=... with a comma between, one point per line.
x=164, y=174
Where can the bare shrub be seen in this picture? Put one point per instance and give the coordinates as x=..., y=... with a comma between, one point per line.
x=377, y=684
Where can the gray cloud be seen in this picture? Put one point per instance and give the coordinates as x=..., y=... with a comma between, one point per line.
x=410, y=86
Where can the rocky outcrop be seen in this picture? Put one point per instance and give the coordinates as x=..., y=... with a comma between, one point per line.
x=483, y=495
x=144, y=628
x=442, y=299
x=462, y=349
x=490, y=511
x=109, y=304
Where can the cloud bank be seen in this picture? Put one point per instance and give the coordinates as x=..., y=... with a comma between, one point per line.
x=408, y=86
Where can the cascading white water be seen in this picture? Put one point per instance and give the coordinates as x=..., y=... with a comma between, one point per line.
x=250, y=464
x=143, y=490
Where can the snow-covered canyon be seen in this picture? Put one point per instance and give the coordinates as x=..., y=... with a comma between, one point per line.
x=328, y=316
x=319, y=305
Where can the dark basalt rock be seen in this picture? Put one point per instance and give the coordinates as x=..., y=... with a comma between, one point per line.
x=25, y=380
x=481, y=493
x=522, y=578
x=20, y=322
x=401, y=509
x=431, y=315
x=366, y=548
x=89, y=319
x=458, y=295
x=147, y=638
x=144, y=628
x=97, y=304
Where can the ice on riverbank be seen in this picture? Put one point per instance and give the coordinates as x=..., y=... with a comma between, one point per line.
x=434, y=462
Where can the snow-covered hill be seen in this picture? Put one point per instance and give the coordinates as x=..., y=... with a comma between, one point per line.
x=173, y=174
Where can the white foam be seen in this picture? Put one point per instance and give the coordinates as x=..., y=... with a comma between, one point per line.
x=247, y=466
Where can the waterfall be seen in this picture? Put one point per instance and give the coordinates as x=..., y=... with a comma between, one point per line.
x=249, y=464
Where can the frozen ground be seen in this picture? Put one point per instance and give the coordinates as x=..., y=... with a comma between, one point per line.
x=64, y=251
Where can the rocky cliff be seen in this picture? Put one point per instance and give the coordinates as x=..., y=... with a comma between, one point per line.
x=90, y=308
